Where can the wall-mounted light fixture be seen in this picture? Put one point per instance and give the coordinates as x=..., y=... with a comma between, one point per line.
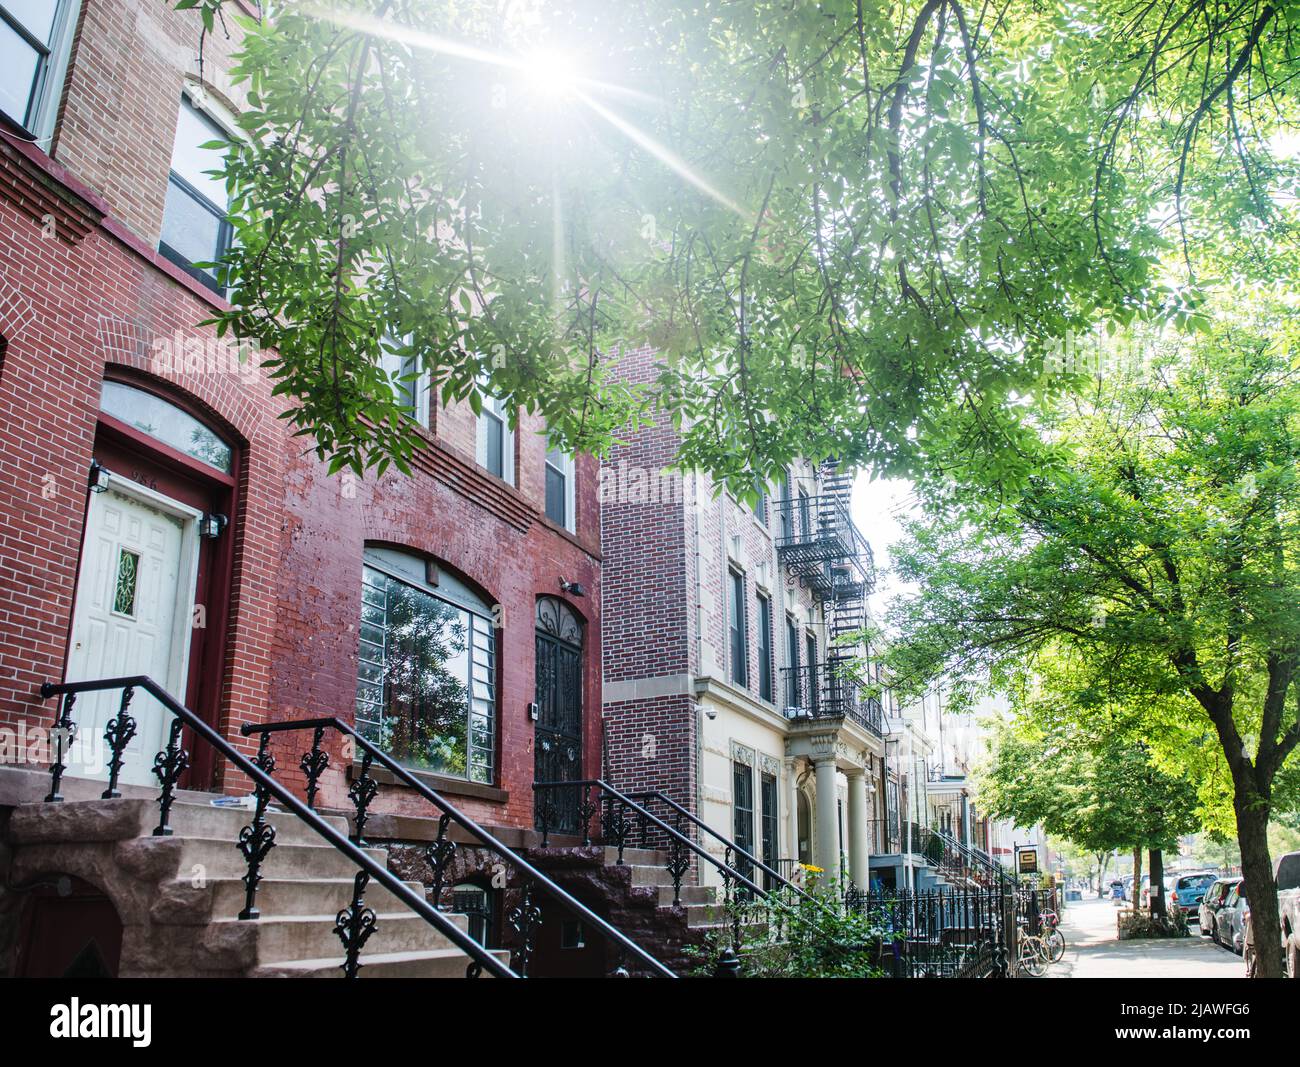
x=99, y=476
x=573, y=588
x=211, y=525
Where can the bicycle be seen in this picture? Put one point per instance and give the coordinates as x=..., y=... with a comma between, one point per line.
x=1032, y=954
x=1053, y=939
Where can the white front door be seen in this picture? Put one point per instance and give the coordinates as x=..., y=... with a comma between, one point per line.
x=135, y=597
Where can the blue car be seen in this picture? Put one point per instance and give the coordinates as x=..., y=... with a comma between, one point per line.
x=1186, y=893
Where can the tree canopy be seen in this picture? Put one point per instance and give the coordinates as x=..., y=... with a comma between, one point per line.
x=851, y=229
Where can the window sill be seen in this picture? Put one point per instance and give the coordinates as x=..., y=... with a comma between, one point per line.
x=440, y=783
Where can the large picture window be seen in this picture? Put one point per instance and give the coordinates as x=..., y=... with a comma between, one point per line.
x=426, y=685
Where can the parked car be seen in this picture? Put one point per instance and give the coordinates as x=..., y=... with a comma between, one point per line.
x=1187, y=892
x=1287, y=873
x=1212, y=902
x=1228, y=929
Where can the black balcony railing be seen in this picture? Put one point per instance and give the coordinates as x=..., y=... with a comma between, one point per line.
x=814, y=691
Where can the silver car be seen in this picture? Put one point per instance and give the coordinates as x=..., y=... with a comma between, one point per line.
x=1229, y=930
x=1212, y=902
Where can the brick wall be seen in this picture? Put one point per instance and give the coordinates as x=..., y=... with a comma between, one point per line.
x=94, y=294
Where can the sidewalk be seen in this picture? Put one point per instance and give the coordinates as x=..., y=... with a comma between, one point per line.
x=1092, y=950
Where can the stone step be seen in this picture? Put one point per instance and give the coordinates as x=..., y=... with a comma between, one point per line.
x=220, y=859
x=705, y=915
x=439, y=963
x=650, y=876
x=305, y=937
x=691, y=894
x=302, y=896
x=635, y=857
x=194, y=820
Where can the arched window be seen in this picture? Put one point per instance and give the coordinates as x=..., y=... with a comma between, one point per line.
x=165, y=423
x=426, y=679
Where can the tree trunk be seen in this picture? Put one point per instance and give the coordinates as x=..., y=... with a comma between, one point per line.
x=1157, y=884
x=1261, y=888
x=1137, y=878
x=1102, y=857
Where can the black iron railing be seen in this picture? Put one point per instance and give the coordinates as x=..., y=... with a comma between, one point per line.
x=523, y=918
x=814, y=691
x=948, y=932
x=257, y=839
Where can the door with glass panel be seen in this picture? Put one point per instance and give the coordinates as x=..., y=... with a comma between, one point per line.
x=557, y=742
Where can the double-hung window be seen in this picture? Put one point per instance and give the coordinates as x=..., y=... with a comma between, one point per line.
x=410, y=382
x=426, y=679
x=35, y=38
x=496, y=441
x=769, y=832
x=736, y=628
x=196, y=228
x=560, y=497
x=764, y=646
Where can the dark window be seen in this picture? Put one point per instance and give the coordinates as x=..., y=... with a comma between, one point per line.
x=765, y=647
x=771, y=812
x=742, y=811
x=805, y=515
x=787, y=515
x=739, y=666
x=810, y=651
x=195, y=228
x=426, y=678
x=760, y=505
x=477, y=905
x=792, y=661
x=28, y=29
x=572, y=934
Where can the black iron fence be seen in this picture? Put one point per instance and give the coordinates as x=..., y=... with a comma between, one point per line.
x=946, y=932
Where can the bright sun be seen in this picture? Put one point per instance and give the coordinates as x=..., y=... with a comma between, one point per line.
x=550, y=73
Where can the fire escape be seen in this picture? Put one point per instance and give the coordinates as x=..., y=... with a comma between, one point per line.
x=821, y=548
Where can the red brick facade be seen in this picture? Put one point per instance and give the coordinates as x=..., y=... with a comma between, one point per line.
x=87, y=294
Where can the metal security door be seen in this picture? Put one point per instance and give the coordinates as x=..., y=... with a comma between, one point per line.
x=557, y=746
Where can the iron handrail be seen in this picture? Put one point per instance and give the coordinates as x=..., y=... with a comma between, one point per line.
x=376, y=870
x=723, y=840
x=484, y=838
x=726, y=870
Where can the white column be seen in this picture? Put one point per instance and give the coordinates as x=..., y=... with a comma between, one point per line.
x=859, y=844
x=791, y=811
x=828, y=830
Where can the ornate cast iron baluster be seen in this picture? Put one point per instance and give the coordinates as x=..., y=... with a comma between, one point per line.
x=618, y=827
x=524, y=918
x=168, y=766
x=645, y=829
x=586, y=809
x=354, y=925
x=361, y=794
x=679, y=862
x=313, y=765
x=258, y=838
x=439, y=855
x=117, y=735
x=732, y=898
x=545, y=814
x=61, y=739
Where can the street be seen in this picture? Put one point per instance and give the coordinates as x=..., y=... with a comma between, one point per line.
x=1092, y=950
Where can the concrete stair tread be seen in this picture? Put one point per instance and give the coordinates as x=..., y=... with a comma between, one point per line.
x=450, y=962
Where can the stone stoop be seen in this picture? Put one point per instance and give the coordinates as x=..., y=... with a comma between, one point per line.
x=637, y=898
x=179, y=896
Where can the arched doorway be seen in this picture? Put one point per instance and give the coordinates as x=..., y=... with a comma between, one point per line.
x=153, y=581
x=557, y=741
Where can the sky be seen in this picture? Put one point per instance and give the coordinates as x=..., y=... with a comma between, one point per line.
x=877, y=508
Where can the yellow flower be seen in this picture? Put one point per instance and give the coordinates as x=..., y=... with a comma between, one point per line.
x=814, y=870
